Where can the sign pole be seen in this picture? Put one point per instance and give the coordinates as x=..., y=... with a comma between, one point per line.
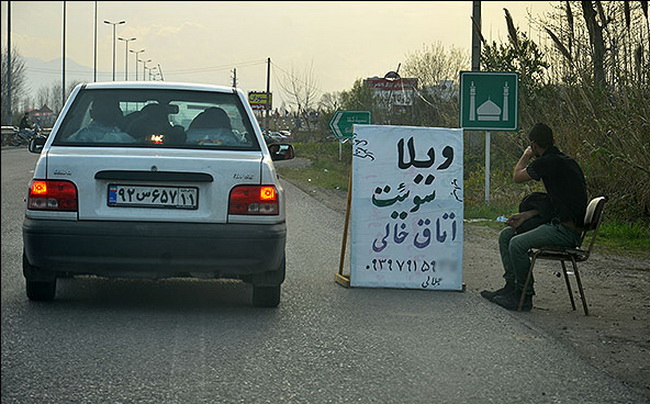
x=340, y=278
x=487, y=166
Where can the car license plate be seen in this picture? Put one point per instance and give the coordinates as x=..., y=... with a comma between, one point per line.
x=145, y=196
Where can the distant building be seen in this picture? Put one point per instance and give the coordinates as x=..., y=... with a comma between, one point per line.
x=43, y=116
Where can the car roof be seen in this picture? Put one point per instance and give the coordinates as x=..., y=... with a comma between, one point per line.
x=166, y=85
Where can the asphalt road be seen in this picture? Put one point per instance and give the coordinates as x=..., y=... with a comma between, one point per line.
x=186, y=341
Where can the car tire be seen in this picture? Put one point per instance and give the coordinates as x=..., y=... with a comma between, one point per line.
x=266, y=296
x=41, y=291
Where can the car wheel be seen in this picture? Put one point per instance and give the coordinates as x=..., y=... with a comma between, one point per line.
x=41, y=291
x=266, y=296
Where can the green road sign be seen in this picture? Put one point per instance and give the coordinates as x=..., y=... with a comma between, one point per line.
x=489, y=101
x=342, y=121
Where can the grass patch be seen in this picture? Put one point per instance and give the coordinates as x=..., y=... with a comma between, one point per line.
x=474, y=212
x=487, y=211
x=629, y=237
x=326, y=171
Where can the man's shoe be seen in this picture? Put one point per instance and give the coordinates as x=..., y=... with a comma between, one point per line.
x=506, y=290
x=511, y=301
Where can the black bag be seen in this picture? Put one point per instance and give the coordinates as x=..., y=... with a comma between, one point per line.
x=541, y=202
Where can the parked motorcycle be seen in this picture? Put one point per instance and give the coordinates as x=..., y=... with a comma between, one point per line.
x=22, y=137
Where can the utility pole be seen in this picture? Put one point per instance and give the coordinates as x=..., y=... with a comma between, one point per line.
x=9, y=84
x=234, y=77
x=162, y=78
x=268, y=93
x=63, y=58
x=95, y=47
x=476, y=36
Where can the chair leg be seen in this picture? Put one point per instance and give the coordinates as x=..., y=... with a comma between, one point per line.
x=528, y=279
x=568, y=285
x=582, y=293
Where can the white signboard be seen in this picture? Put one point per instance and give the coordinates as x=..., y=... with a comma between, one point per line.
x=407, y=208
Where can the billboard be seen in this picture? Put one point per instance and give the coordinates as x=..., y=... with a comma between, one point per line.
x=397, y=92
x=260, y=100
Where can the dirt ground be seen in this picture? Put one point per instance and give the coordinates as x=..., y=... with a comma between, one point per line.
x=615, y=337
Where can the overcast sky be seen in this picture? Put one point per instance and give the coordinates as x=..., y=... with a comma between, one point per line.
x=204, y=41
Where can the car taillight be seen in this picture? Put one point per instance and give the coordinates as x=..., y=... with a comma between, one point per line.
x=52, y=195
x=254, y=200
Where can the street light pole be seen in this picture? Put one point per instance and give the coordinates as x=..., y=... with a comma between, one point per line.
x=63, y=59
x=95, y=46
x=114, y=24
x=137, y=53
x=126, y=56
x=161, y=74
x=144, y=68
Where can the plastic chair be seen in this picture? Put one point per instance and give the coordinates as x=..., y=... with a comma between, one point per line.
x=593, y=218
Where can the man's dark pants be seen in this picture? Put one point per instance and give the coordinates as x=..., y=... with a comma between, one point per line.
x=514, y=249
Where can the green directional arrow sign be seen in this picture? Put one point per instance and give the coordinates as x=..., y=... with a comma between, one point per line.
x=342, y=121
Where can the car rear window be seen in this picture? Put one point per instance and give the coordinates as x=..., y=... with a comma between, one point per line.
x=157, y=118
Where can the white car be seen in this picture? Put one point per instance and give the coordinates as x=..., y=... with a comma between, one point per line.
x=156, y=180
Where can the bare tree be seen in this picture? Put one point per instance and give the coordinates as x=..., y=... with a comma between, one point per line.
x=602, y=42
x=51, y=96
x=301, y=89
x=433, y=64
x=18, y=84
x=330, y=102
x=595, y=29
x=45, y=97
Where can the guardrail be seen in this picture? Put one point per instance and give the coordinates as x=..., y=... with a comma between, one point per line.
x=7, y=130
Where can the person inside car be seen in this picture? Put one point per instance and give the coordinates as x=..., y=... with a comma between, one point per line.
x=104, y=127
x=151, y=125
x=212, y=126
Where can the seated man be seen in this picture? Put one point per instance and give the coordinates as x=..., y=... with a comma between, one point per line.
x=212, y=127
x=104, y=127
x=566, y=187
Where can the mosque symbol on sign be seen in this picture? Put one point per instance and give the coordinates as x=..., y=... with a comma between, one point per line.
x=489, y=110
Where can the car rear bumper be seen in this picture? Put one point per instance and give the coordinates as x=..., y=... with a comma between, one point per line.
x=154, y=250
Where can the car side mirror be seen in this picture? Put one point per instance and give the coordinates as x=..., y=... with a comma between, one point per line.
x=36, y=144
x=281, y=151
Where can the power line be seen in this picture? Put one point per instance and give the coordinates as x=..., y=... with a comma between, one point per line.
x=290, y=75
x=180, y=71
x=56, y=71
x=216, y=68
